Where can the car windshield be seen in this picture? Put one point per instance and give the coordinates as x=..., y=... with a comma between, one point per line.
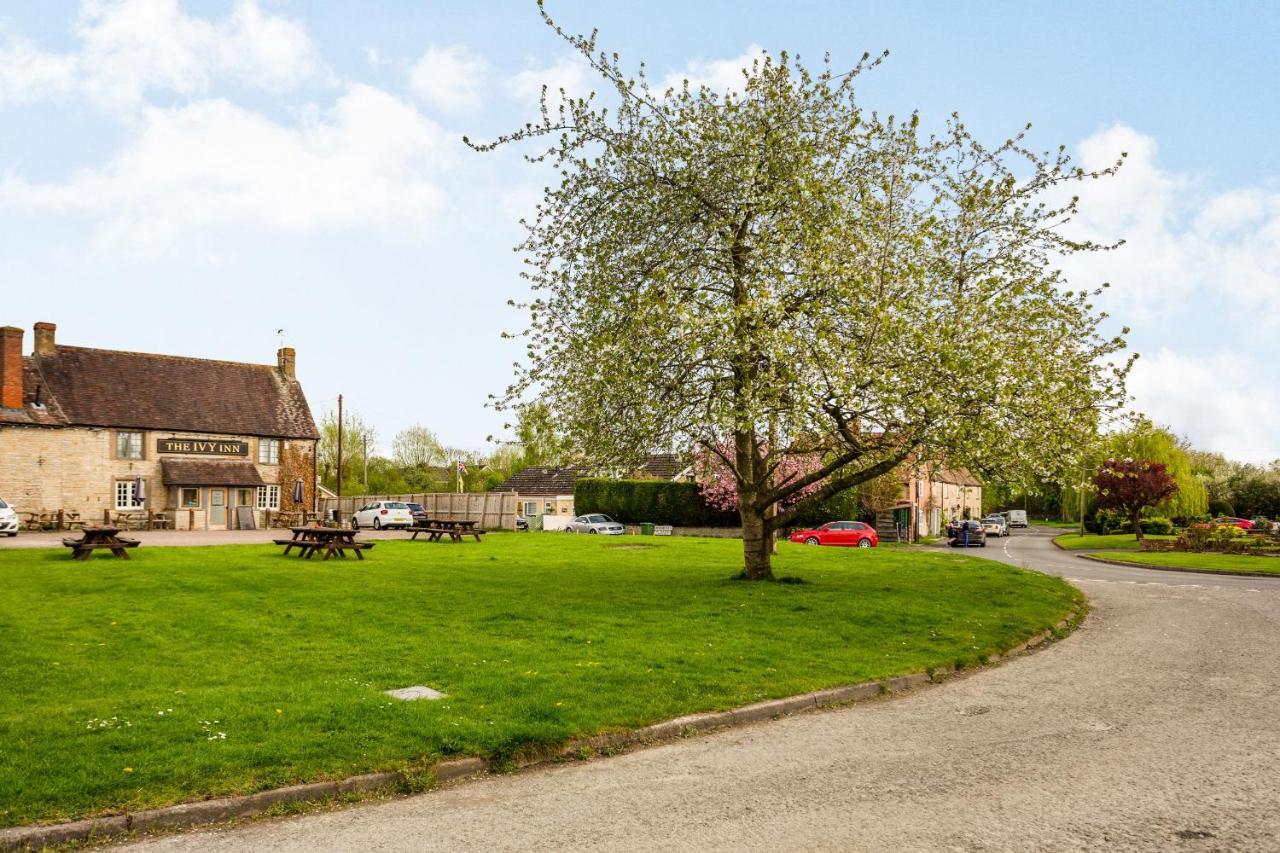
x=396, y=506
x=3, y=505
x=599, y=519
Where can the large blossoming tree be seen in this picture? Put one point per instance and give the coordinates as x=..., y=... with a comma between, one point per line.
x=780, y=268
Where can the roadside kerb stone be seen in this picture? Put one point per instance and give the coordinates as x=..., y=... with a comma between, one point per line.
x=222, y=809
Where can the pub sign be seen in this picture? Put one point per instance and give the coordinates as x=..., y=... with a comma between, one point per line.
x=202, y=447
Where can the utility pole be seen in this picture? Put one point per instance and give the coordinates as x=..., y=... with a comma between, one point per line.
x=365, y=441
x=339, y=448
x=1082, y=472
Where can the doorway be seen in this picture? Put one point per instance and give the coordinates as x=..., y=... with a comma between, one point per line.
x=217, y=509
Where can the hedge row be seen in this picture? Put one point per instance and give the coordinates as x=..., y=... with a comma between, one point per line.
x=656, y=501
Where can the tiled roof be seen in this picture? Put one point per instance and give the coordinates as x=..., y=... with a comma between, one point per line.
x=541, y=480
x=662, y=466
x=956, y=476
x=107, y=388
x=209, y=472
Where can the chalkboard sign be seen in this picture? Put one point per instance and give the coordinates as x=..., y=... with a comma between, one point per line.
x=244, y=518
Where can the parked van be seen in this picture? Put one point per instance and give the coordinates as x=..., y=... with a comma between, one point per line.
x=1017, y=517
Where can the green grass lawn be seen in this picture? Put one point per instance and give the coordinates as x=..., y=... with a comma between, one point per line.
x=1202, y=562
x=192, y=672
x=1048, y=522
x=1093, y=541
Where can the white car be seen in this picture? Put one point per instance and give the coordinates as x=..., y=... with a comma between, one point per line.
x=8, y=519
x=594, y=523
x=382, y=514
x=995, y=525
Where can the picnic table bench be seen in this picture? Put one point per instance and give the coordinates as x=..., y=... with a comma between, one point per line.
x=100, y=537
x=455, y=529
x=331, y=540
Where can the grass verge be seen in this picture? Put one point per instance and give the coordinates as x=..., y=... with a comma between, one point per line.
x=1093, y=541
x=1233, y=563
x=195, y=672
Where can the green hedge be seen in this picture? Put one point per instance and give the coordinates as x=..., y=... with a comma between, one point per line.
x=656, y=501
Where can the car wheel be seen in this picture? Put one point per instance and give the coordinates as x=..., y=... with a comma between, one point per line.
x=377, y=524
x=593, y=530
x=864, y=543
x=812, y=540
x=355, y=523
x=982, y=544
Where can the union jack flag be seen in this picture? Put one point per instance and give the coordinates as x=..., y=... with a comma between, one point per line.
x=462, y=469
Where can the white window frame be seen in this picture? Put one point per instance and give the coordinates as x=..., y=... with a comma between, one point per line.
x=549, y=508
x=268, y=497
x=530, y=508
x=268, y=451
x=136, y=442
x=127, y=489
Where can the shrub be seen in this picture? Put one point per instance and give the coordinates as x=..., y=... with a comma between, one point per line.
x=1220, y=508
x=1112, y=521
x=656, y=501
x=1157, y=526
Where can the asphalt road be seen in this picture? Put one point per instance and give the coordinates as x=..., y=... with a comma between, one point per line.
x=1156, y=726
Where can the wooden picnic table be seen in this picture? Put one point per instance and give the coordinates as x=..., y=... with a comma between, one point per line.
x=455, y=529
x=100, y=536
x=331, y=540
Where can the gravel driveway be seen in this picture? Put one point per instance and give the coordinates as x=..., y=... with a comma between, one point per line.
x=1155, y=727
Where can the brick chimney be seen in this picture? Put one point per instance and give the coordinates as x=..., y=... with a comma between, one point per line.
x=10, y=367
x=45, y=342
x=285, y=359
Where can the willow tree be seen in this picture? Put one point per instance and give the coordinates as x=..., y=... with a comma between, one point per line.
x=778, y=270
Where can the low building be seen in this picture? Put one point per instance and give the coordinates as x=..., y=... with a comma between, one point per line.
x=97, y=432
x=545, y=492
x=932, y=495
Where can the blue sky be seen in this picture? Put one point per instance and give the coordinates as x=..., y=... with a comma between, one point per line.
x=190, y=177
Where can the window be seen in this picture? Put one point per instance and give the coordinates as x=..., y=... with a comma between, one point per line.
x=268, y=451
x=550, y=508
x=128, y=445
x=189, y=497
x=127, y=495
x=268, y=497
x=530, y=508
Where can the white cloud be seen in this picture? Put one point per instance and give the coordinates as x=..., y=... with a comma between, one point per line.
x=720, y=75
x=570, y=73
x=1180, y=238
x=449, y=78
x=1217, y=401
x=369, y=161
x=131, y=47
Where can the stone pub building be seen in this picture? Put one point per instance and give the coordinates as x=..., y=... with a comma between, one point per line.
x=96, y=432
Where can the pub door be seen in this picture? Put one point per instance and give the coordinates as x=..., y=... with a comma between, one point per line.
x=217, y=509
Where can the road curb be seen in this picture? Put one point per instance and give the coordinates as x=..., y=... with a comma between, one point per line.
x=1206, y=572
x=222, y=809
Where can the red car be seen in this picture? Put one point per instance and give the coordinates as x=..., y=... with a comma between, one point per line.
x=1232, y=521
x=853, y=534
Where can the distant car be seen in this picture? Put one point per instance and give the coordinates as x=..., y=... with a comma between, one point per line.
x=852, y=534
x=8, y=519
x=522, y=523
x=382, y=514
x=594, y=523
x=1232, y=521
x=967, y=533
x=419, y=514
x=995, y=525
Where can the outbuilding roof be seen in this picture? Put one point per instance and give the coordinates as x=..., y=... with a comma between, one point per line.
x=540, y=480
x=209, y=472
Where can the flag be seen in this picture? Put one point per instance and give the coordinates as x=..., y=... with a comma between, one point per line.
x=462, y=469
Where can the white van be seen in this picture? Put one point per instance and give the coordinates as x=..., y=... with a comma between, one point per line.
x=1017, y=517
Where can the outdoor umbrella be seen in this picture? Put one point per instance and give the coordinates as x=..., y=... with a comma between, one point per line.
x=140, y=490
x=297, y=491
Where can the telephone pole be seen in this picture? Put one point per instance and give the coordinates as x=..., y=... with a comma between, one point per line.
x=339, y=448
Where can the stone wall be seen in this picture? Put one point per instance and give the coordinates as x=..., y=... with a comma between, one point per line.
x=75, y=469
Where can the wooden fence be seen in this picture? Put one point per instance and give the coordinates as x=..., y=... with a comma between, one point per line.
x=493, y=510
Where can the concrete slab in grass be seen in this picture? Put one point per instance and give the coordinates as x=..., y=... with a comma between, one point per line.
x=417, y=691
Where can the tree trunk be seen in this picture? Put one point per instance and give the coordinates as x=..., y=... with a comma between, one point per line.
x=757, y=545
x=1137, y=525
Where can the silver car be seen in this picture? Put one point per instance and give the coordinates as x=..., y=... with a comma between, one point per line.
x=594, y=523
x=995, y=525
x=8, y=520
